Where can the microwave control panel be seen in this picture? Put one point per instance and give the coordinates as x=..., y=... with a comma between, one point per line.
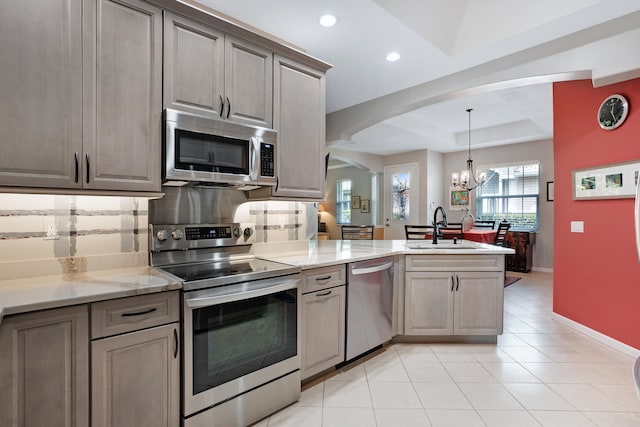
x=267, y=154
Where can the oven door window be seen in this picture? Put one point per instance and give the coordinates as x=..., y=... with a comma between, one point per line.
x=236, y=338
x=211, y=153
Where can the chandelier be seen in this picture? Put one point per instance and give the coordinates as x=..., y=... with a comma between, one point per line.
x=466, y=179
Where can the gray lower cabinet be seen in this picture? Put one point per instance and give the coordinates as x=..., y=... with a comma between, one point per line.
x=443, y=301
x=299, y=118
x=44, y=369
x=323, y=319
x=82, y=86
x=135, y=375
x=135, y=379
x=214, y=74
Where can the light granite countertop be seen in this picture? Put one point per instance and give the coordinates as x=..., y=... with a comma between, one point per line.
x=320, y=253
x=21, y=295
x=43, y=292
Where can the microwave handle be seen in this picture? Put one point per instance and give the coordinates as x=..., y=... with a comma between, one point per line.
x=255, y=174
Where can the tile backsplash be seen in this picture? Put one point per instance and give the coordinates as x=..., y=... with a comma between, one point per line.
x=94, y=232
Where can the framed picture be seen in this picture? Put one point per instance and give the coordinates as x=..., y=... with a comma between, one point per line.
x=458, y=199
x=355, y=202
x=550, y=191
x=616, y=181
x=364, y=204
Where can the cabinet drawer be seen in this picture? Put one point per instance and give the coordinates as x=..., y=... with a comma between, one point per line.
x=129, y=314
x=324, y=277
x=454, y=262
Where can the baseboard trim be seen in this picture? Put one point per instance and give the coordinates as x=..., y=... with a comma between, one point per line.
x=598, y=336
x=542, y=270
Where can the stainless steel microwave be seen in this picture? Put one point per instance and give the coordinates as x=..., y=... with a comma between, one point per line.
x=216, y=152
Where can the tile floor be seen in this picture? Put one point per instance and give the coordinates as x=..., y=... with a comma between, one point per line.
x=540, y=373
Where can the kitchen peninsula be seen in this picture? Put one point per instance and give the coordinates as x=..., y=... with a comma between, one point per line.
x=446, y=292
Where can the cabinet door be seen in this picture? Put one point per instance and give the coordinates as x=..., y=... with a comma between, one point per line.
x=41, y=95
x=248, y=83
x=135, y=379
x=193, y=66
x=123, y=95
x=44, y=369
x=299, y=118
x=428, y=303
x=479, y=303
x=323, y=326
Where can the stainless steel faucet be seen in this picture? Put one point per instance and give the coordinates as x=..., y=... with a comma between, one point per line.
x=437, y=224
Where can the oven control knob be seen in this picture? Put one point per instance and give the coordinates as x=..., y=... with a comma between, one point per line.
x=162, y=235
x=248, y=232
x=177, y=234
x=236, y=232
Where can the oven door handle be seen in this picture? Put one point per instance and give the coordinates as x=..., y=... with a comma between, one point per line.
x=221, y=299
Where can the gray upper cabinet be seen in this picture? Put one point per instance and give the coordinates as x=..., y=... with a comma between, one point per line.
x=123, y=94
x=81, y=94
x=44, y=369
x=299, y=118
x=215, y=74
x=41, y=92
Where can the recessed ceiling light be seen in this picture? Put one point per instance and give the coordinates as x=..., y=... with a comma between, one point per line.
x=393, y=56
x=328, y=20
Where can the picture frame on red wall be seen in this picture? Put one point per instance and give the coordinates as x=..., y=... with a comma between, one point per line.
x=614, y=181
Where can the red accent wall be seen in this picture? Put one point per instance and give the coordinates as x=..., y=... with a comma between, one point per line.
x=596, y=273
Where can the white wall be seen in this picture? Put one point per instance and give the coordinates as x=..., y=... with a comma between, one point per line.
x=360, y=186
x=541, y=151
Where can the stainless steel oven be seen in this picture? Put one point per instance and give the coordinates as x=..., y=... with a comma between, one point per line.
x=241, y=355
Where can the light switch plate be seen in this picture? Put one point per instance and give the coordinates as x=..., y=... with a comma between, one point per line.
x=577, y=226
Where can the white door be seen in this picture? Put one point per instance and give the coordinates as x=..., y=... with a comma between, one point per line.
x=401, y=199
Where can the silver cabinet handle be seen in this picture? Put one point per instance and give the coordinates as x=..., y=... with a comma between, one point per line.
x=228, y=107
x=221, y=106
x=457, y=282
x=452, y=283
x=323, y=278
x=322, y=294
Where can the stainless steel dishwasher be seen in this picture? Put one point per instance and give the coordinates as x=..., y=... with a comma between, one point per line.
x=369, y=305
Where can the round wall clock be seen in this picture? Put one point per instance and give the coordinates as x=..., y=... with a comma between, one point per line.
x=613, y=111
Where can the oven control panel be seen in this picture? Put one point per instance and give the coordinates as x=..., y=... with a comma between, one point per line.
x=167, y=237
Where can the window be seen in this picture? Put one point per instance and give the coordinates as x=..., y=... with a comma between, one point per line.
x=510, y=193
x=343, y=201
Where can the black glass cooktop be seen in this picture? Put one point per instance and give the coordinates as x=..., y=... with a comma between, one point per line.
x=208, y=274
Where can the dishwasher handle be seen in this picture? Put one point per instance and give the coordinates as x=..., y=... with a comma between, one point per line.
x=372, y=269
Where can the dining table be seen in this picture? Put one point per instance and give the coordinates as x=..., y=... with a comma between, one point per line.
x=481, y=235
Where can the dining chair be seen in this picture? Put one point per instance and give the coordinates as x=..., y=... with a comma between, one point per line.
x=453, y=230
x=501, y=233
x=485, y=224
x=421, y=232
x=357, y=232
